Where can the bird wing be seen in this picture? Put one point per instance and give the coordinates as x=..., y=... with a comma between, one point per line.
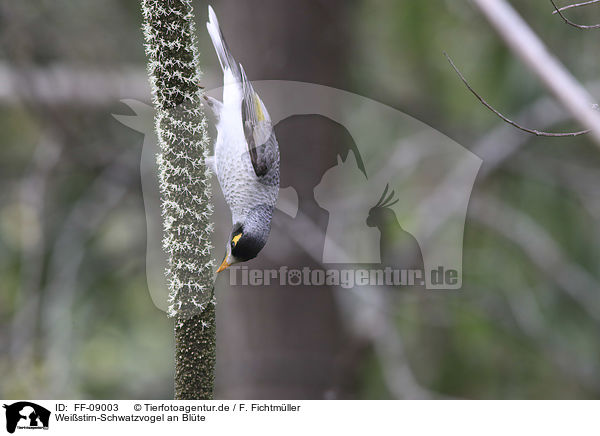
x=258, y=130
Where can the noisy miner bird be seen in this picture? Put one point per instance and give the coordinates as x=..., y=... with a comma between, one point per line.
x=246, y=159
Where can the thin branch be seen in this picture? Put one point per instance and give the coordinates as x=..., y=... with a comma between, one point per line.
x=576, y=5
x=571, y=23
x=509, y=121
x=532, y=51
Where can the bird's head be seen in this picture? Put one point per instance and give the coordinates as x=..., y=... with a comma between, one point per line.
x=243, y=245
x=381, y=212
x=249, y=237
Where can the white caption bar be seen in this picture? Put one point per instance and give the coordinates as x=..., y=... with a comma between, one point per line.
x=299, y=417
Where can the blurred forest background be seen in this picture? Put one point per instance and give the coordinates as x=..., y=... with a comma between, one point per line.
x=76, y=318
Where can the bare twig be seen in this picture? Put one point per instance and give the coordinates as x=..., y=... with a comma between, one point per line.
x=509, y=121
x=528, y=46
x=576, y=5
x=571, y=23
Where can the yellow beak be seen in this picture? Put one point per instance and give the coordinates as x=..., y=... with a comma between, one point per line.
x=224, y=265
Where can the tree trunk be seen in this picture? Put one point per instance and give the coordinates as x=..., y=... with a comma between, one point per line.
x=288, y=342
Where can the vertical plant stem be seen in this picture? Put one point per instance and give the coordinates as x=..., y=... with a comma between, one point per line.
x=185, y=190
x=195, y=348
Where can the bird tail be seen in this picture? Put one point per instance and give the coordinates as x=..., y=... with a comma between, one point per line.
x=228, y=63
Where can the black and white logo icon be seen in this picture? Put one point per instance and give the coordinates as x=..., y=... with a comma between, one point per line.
x=26, y=415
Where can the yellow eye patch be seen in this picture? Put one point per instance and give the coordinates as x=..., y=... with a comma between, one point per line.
x=236, y=238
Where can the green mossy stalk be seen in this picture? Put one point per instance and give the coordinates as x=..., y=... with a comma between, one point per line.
x=185, y=190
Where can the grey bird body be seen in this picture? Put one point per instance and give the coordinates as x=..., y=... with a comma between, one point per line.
x=246, y=158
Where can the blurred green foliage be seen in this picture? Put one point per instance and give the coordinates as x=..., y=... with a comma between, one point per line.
x=512, y=332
